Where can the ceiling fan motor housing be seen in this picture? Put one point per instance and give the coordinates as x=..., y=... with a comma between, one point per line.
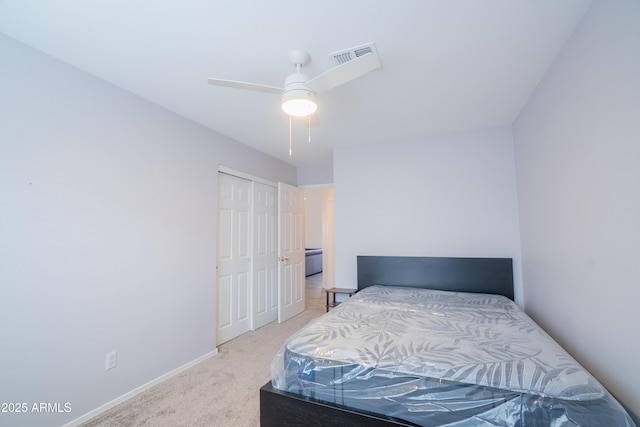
x=297, y=99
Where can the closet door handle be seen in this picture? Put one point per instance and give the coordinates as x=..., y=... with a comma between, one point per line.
x=283, y=258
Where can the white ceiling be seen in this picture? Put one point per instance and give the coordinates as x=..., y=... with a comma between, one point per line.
x=448, y=65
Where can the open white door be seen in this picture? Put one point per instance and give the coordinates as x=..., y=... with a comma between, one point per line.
x=291, y=263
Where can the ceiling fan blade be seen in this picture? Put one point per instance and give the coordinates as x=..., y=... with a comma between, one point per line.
x=344, y=73
x=244, y=85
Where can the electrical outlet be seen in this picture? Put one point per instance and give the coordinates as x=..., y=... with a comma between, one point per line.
x=112, y=360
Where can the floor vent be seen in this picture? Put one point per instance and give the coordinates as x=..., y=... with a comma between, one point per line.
x=347, y=55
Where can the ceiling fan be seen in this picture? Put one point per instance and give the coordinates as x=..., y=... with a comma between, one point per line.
x=299, y=91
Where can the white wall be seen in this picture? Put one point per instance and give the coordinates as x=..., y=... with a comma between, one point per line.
x=314, y=200
x=107, y=236
x=577, y=145
x=451, y=195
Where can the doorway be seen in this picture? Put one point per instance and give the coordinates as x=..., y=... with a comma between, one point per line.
x=319, y=232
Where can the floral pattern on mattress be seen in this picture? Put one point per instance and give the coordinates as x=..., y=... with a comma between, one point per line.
x=461, y=337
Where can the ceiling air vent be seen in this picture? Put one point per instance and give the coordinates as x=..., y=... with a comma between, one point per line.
x=347, y=55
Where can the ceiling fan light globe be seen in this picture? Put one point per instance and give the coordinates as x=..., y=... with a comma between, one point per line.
x=299, y=103
x=299, y=107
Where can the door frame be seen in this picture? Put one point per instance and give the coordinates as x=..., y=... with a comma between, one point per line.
x=256, y=179
x=239, y=174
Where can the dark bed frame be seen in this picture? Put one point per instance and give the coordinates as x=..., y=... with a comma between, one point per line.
x=483, y=275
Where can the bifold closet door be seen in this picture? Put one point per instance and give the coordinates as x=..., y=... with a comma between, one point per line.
x=234, y=251
x=265, y=258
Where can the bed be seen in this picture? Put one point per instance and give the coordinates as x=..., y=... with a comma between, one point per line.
x=431, y=342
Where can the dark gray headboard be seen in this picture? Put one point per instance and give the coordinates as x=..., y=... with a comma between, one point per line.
x=482, y=275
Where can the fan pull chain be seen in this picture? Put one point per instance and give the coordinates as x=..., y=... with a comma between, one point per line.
x=290, y=151
x=309, y=128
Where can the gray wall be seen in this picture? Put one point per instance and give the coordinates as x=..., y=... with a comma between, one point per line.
x=577, y=145
x=315, y=174
x=451, y=195
x=107, y=235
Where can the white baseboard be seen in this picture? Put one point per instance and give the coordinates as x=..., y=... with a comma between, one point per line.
x=118, y=400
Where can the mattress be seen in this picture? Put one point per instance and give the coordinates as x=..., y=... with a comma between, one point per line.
x=442, y=358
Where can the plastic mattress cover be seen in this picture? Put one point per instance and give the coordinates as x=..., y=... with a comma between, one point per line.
x=442, y=358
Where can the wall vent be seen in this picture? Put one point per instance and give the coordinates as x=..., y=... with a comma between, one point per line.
x=347, y=55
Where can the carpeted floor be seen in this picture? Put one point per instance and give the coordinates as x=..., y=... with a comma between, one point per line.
x=222, y=390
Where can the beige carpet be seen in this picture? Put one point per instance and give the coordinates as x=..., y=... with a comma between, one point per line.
x=222, y=390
